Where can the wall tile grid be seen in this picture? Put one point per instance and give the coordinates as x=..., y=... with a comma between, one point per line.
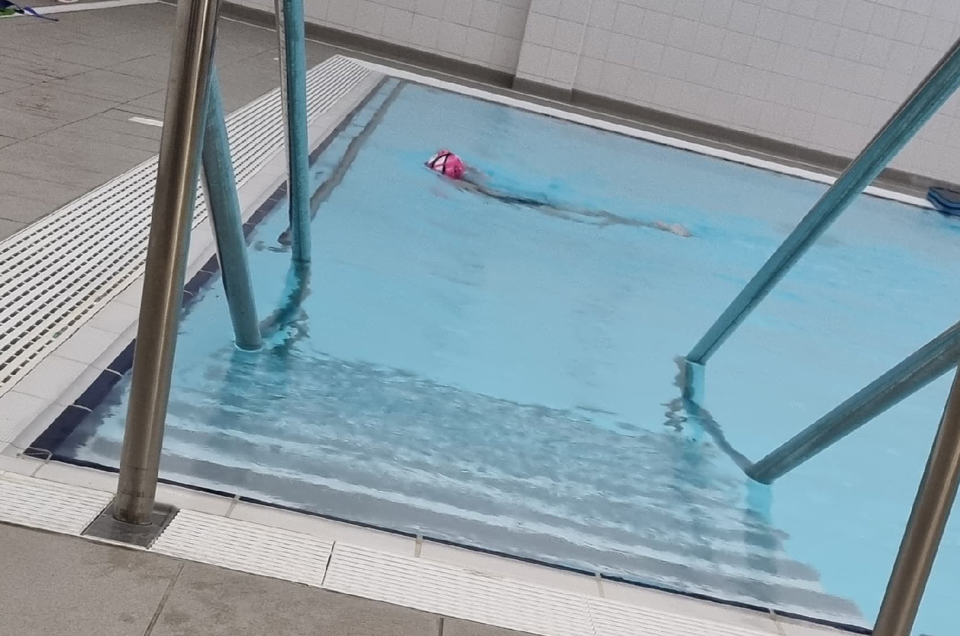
x=553, y=40
x=824, y=74
x=483, y=32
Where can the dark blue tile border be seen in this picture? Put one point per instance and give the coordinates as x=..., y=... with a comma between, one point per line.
x=46, y=444
x=96, y=392
x=69, y=420
x=123, y=362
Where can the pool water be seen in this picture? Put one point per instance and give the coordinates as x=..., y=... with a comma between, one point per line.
x=506, y=378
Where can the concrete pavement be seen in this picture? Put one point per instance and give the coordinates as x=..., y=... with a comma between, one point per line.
x=68, y=90
x=54, y=585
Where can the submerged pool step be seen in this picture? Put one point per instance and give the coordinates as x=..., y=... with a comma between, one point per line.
x=659, y=531
x=385, y=447
x=764, y=576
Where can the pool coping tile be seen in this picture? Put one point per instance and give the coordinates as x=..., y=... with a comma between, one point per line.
x=665, y=601
x=791, y=627
x=512, y=568
x=321, y=527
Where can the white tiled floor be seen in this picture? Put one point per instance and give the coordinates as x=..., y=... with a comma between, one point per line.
x=51, y=378
x=451, y=590
x=88, y=345
x=48, y=505
x=115, y=318
x=104, y=262
x=316, y=526
x=16, y=411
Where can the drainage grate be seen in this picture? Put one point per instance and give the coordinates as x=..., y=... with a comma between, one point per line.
x=245, y=547
x=487, y=598
x=63, y=269
x=36, y=503
x=449, y=590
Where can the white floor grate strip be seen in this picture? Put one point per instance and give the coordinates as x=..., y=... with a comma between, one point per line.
x=434, y=586
x=26, y=501
x=246, y=547
x=457, y=592
x=61, y=270
x=620, y=619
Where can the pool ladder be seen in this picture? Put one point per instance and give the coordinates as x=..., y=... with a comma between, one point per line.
x=194, y=136
x=938, y=487
x=193, y=132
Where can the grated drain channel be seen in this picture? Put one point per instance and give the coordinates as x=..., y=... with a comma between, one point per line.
x=60, y=271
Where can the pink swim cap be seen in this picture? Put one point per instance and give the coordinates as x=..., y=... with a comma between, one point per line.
x=447, y=164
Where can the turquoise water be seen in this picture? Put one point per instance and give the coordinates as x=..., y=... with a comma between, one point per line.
x=500, y=377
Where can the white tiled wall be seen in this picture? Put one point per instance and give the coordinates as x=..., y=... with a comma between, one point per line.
x=483, y=32
x=552, y=42
x=824, y=74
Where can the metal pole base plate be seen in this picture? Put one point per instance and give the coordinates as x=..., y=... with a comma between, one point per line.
x=106, y=527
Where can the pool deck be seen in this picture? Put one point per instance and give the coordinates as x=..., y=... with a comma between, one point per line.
x=69, y=89
x=45, y=589
x=235, y=568
x=76, y=102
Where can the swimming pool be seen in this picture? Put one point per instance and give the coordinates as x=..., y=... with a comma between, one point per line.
x=492, y=375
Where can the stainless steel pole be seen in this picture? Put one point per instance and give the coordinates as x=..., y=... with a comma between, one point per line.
x=935, y=89
x=916, y=371
x=224, y=206
x=293, y=91
x=177, y=173
x=928, y=519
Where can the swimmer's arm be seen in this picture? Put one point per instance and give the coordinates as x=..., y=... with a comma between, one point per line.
x=673, y=228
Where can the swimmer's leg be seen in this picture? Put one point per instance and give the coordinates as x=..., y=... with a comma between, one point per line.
x=604, y=219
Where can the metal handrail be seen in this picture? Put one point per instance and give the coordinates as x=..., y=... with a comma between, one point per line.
x=193, y=115
x=293, y=91
x=938, y=488
x=178, y=169
x=177, y=175
x=224, y=205
x=924, y=532
x=906, y=378
x=932, y=92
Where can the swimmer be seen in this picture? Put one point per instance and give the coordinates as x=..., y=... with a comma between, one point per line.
x=449, y=165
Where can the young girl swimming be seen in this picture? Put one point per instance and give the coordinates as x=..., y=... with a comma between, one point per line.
x=449, y=165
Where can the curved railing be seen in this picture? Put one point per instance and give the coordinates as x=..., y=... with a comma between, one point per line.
x=909, y=376
x=938, y=488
